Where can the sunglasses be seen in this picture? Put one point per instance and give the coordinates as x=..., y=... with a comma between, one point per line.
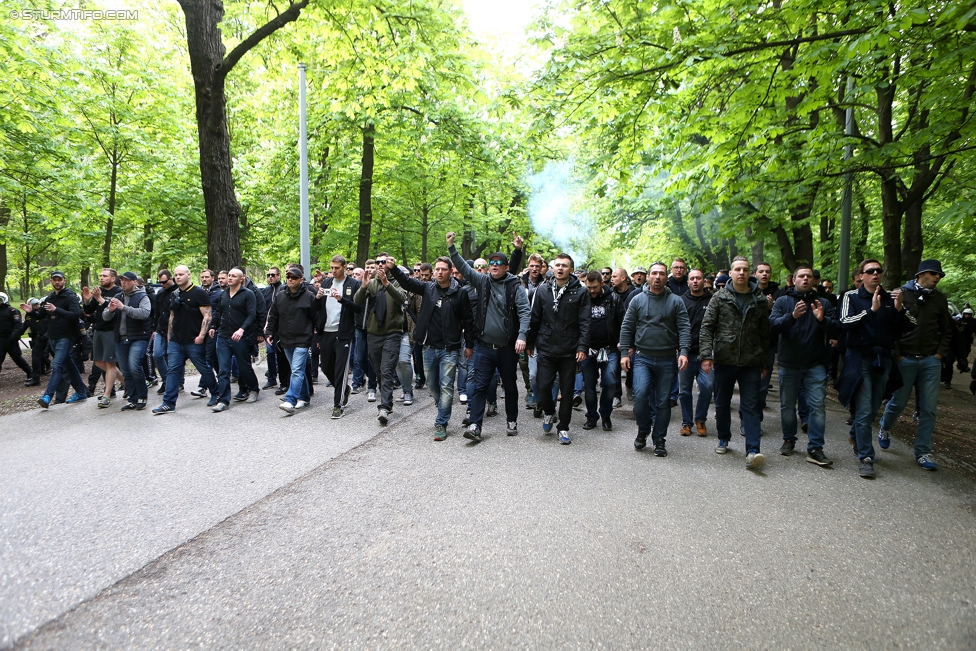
x=495, y=263
x=292, y=277
x=876, y=270
x=270, y=275
x=481, y=266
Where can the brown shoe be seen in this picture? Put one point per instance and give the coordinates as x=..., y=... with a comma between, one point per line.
x=686, y=430
x=701, y=428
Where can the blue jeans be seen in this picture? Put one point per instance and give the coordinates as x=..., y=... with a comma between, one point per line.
x=686, y=382
x=440, y=367
x=867, y=400
x=160, y=348
x=653, y=375
x=750, y=383
x=62, y=365
x=129, y=355
x=298, y=386
x=812, y=382
x=272, y=372
x=176, y=357
x=405, y=364
x=928, y=372
x=608, y=382
x=227, y=350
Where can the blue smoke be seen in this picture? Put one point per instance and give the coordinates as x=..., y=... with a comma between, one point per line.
x=554, y=211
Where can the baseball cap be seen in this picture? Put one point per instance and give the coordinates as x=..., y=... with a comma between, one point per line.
x=57, y=274
x=130, y=275
x=499, y=256
x=639, y=270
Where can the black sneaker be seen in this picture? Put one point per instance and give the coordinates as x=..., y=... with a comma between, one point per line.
x=163, y=409
x=270, y=384
x=866, y=468
x=607, y=425
x=240, y=396
x=660, y=450
x=280, y=391
x=819, y=458
x=336, y=413
x=473, y=433
x=641, y=441
x=129, y=406
x=162, y=389
x=788, y=446
x=467, y=419
x=577, y=400
x=537, y=411
x=590, y=424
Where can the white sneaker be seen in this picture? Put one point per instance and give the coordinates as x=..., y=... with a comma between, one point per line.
x=252, y=396
x=616, y=403
x=407, y=399
x=301, y=404
x=755, y=460
x=371, y=396
x=286, y=407
x=463, y=398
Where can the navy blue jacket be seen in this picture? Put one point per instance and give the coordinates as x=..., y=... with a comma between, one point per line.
x=867, y=330
x=803, y=342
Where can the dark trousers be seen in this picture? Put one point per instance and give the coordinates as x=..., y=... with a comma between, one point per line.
x=384, y=353
x=227, y=349
x=39, y=358
x=334, y=349
x=486, y=361
x=418, y=363
x=12, y=348
x=546, y=376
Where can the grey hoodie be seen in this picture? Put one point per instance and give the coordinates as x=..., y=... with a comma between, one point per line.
x=656, y=324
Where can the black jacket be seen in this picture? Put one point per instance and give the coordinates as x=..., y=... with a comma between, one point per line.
x=94, y=311
x=613, y=305
x=161, y=308
x=696, y=306
x=291, y=321
x=63, y=323
x=456, y=323
x=234, y=312
x=516, y=323
x=10, y=323
x=268, y=293
x=866, y=329
x=348, y=315
x=933, y=323
x=803, y=342
x=560, y=333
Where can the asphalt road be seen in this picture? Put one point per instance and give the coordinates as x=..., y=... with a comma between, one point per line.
x=251, y=529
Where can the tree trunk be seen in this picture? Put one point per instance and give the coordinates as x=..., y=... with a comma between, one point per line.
x=758, y=247
x=891, y=233
x=148, y=244
x=366, y=195
x=210, y=69
x=4, y=221
x=110, y=222
x=912, y=244
x=424, y=232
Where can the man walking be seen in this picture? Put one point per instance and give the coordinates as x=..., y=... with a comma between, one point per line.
x=11, y=328
x=501, y=322
x=64, y=327
x=384, y=327
x=291, y=325
x=189, y=320
x=235, y=326
x=696, y=301
x=103, y=339
x=735, y=343
x=337, y=330
x=874, y=321
x=603, y=358
x=161, y=335
x=444, y=326
x=804, y=324
x=559, y=333
x=655, y=328
x=128, y=314
x=919, y=357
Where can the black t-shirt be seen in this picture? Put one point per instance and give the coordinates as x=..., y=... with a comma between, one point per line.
x=187, y=318
x=435, y=326
x=599, y=332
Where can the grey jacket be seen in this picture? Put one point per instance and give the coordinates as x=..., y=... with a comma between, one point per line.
x=656, y=324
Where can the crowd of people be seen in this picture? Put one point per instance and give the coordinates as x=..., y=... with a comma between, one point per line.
x=685, y=339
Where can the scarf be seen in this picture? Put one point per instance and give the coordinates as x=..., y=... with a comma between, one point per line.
x=557, y=293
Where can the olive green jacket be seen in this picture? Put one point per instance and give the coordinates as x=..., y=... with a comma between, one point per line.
x=733, y=337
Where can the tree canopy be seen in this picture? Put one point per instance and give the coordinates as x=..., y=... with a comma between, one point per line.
x=624, y=132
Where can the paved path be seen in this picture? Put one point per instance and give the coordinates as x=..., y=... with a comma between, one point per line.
x=249, y=529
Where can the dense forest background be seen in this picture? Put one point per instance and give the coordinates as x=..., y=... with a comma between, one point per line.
x=623, y=131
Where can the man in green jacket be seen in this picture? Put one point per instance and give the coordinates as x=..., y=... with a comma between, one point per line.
x=383, y=316
x=735, y=342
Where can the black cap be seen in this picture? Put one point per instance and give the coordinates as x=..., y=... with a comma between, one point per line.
x=722, y=280
x=930, y=265
x=499, y=256
x=57, y=274
x=130, y=275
